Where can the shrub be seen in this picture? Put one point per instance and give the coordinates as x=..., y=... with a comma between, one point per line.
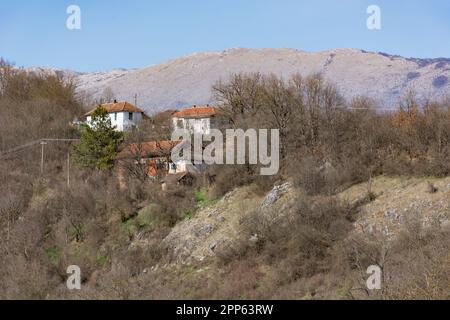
x=297, y=242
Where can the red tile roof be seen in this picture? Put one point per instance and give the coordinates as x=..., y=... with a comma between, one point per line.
x=148, y=149
x=196, y=112
x=117, y=107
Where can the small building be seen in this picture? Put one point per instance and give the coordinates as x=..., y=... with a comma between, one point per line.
x=153, y=157
x=196, y=119
x=179, y=166
x=123, y=115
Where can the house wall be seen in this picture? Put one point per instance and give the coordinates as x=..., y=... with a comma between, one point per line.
x=121, y=121
x=187, y=166
x=193, y=125
x=181, y=166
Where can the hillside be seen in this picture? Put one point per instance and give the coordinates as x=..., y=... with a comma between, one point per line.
x=212, y=246
x=188, y=80
x=310, y=231
x=398, y=199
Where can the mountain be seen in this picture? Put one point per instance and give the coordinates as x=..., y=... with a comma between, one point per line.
x=188, y=80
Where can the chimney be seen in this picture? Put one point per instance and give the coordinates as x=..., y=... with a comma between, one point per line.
x=115, y=101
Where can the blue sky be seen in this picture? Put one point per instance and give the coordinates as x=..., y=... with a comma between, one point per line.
x=138, y=33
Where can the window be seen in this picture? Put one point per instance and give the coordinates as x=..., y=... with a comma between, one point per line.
x=115, y=116
x=130, y=116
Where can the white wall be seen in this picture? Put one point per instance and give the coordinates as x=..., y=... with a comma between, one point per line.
x=121, y=121
x=181, y=166
x=193, y=125
x=186, y=166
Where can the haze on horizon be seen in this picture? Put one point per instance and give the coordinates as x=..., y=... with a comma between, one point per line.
x=138, y=33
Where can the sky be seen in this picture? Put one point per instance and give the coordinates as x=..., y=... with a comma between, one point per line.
x=139, y=33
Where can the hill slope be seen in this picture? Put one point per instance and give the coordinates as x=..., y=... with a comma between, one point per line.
x=188, y=80
x=398, y=200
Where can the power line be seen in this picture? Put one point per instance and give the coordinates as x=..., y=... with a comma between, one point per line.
x=19, y=148
x=60, y=140
x=385, y=109
x=42, y=141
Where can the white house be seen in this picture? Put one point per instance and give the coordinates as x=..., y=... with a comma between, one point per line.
x=123, y=115
x=196, y=119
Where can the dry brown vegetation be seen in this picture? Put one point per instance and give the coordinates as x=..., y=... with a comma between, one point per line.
x=327, y=143
x=115, y=235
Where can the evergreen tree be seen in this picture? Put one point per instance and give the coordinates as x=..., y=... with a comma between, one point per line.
x=99, y=142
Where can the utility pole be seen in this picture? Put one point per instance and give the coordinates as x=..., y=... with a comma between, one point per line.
x=68, y=168
x=43, y=143
x=135, y=99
